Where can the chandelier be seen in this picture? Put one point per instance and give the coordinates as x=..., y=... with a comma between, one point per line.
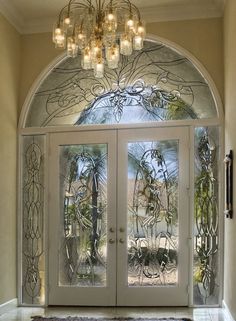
x=101, y=30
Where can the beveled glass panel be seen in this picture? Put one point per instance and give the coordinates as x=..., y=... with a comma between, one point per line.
x=154, y=84
x=32, y=207
x=153, y=226
x=206, y=217
x=83, y=226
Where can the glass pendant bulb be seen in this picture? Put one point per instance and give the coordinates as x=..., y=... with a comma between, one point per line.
x=137, y=42
x=110, y=16
x=96, y=50
x=59, y=37
x=126, y=45
x=86, y=61
x=67, y=20
x=141, y=31
x=81, y=40
x=130, y=25
x=72, y=47
x=113, y=56
x=110, y=24
x=99, y=69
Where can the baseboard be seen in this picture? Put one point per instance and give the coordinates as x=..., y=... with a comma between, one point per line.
x=227, y=311
x=6, y=307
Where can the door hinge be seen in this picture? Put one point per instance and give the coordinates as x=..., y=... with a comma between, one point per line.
x=189, y=240
x=188, y=190
x=188, y=289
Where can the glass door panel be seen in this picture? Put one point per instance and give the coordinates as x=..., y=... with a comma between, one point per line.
x=83, y=226
x=118, y=217
x=82, y=254
x=153, y=217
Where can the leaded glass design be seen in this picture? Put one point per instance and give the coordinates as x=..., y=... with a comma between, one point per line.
x=32, y=182
x=153, y=213
x=153, y=84
x=83, y=190
x=206, y=216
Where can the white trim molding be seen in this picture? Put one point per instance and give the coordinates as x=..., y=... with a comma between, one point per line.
x=12, y=15
x=182, y=12
x=8, y=306
x=176, y=12
x=221, y=4
x=227, y=311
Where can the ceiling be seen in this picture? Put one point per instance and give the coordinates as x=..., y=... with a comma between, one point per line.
x=31, y=16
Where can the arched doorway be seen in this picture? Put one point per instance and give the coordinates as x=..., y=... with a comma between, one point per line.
x=120, y=175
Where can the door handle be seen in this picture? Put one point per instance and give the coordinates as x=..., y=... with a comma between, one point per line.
x=111, y=241
x=121, y=241
x=111, y=229
x=122, y=229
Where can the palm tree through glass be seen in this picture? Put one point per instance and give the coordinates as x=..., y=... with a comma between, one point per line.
x=83, y=177
x=153, y=213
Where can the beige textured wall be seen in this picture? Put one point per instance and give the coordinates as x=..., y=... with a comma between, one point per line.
x=37, y=52
x=9, y=88
x=230, y=143
x=203, y=38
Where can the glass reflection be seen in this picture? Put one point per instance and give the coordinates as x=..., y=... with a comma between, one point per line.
x=83, y=190
x=153, y=213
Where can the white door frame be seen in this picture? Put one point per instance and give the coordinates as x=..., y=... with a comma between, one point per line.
x=69, y=295
x=161, y=295
x=130, y=296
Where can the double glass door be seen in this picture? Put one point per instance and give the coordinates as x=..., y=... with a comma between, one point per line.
x=118, y=217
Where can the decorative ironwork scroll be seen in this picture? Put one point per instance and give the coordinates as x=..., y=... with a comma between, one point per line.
x=153, y=214
x=153, y=84
x=206, y=228
x=83, y=237
x=33, y=220
x=229, y=185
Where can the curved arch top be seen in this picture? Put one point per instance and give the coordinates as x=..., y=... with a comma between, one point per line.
x=160, y=82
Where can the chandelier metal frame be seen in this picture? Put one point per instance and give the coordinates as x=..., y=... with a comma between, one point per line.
x=101, y=30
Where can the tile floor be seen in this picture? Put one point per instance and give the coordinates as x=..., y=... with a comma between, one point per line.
x=196, y=314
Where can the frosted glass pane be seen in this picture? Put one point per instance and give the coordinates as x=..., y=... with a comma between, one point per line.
x=153, y=169
x=83, y=229
x=206, y=217
x=32, y=200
